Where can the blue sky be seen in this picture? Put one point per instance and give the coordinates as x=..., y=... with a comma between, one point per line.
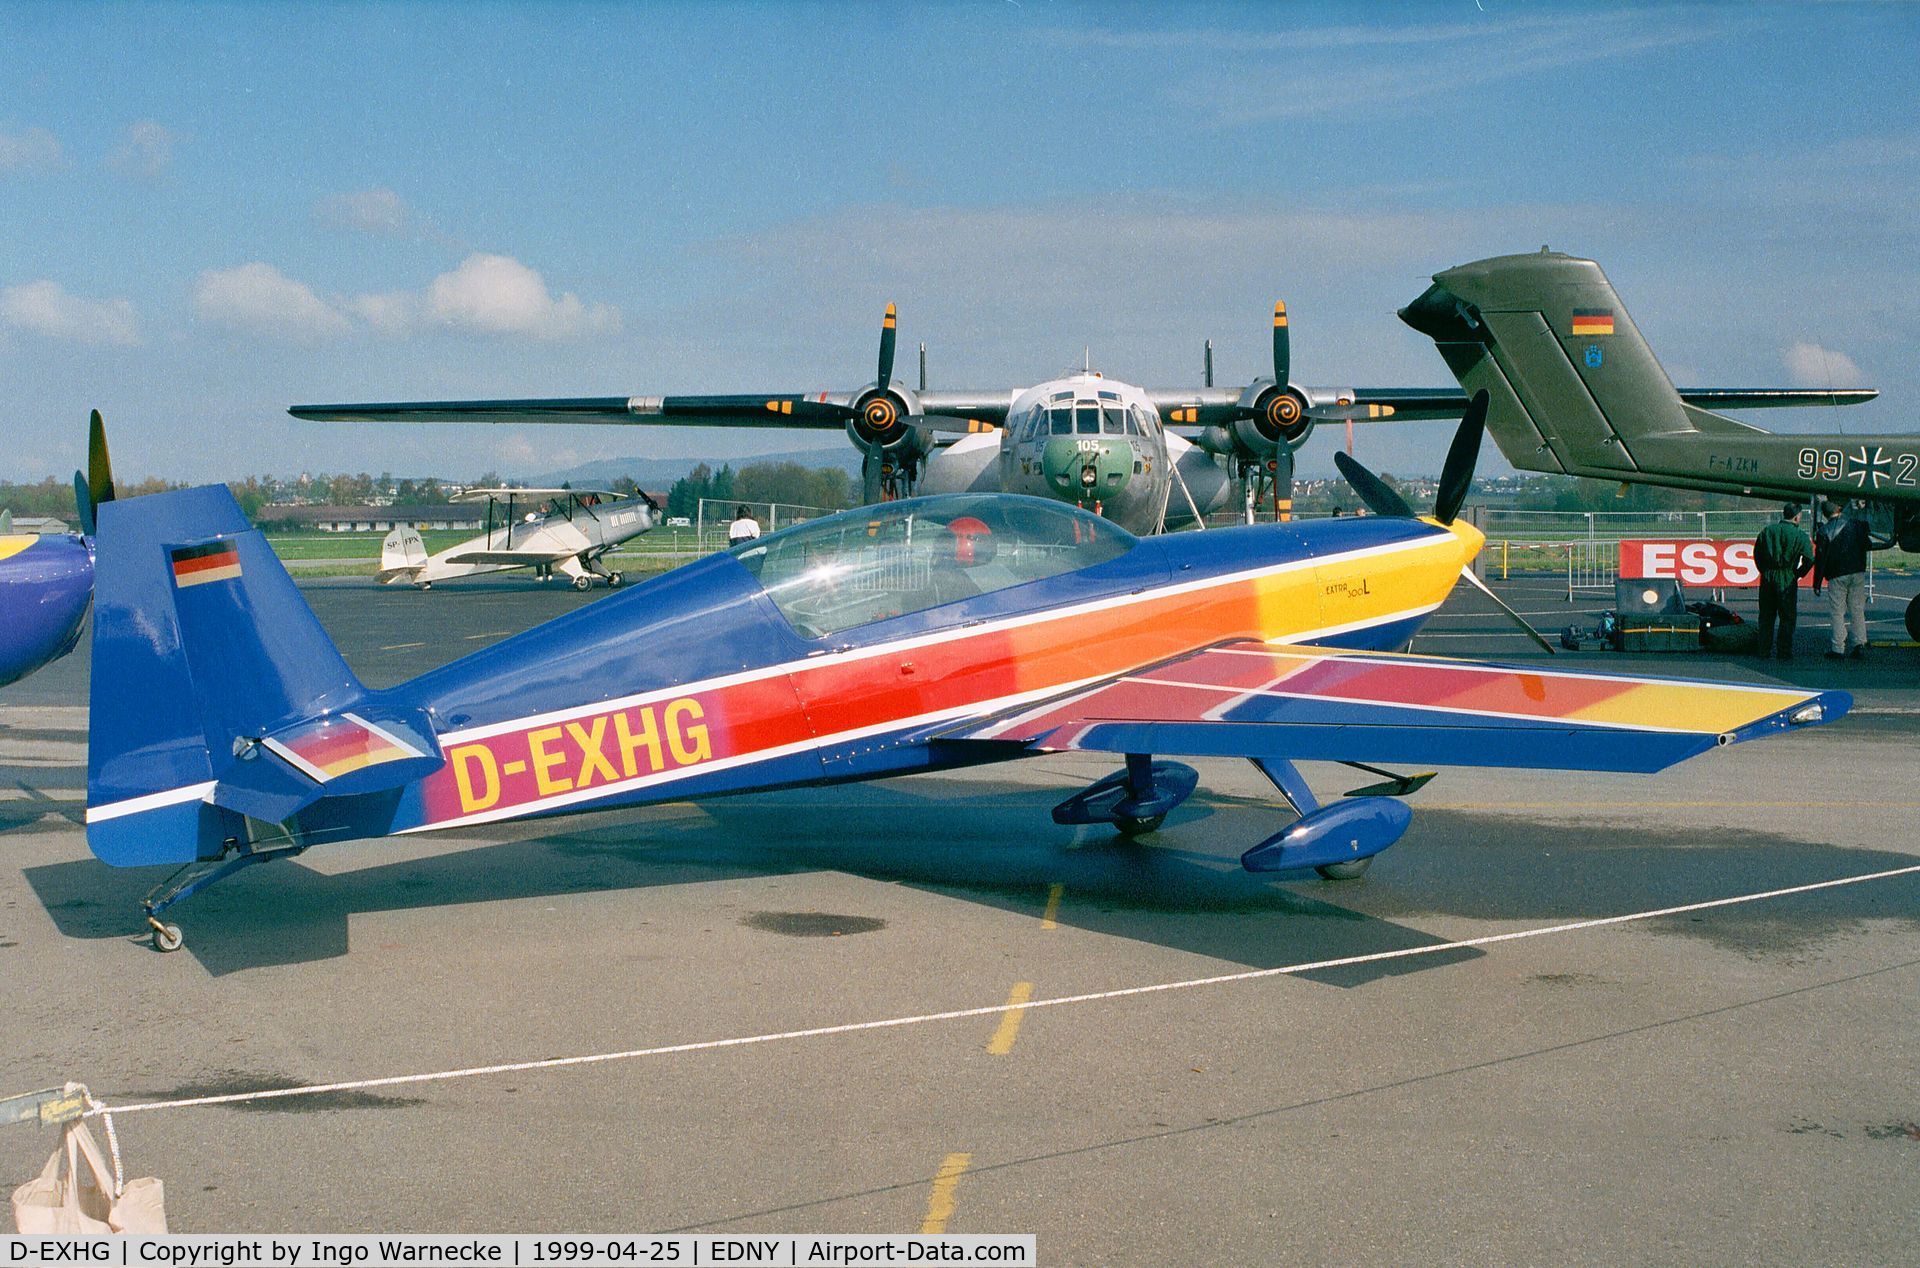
x=212, y=212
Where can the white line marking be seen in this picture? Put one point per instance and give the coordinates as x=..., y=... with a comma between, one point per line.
x=1058, y=1001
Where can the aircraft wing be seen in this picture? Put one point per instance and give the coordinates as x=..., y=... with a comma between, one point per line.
x=1206, y=406
x=828, y=410
x=512, y=558
x=1306, y=703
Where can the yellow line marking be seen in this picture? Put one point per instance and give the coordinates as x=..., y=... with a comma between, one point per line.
x=940, y=1200
x=1050, y=919
x=1002, y=1042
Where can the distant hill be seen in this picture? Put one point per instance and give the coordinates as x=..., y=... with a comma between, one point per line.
x=660, y=473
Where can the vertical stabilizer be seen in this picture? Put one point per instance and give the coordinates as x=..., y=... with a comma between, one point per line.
x=199, y=638
x=1573, y=385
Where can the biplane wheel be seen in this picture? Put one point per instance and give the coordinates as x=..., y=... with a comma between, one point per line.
x=614, y=579
x=1913, y=618
x=426, y=585
x=1345, y=871
x=1128, y=826
x=168, y=938
x=583, y=583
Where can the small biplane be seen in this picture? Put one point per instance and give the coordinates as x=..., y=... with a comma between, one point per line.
x=567, y=531
x=922, y=634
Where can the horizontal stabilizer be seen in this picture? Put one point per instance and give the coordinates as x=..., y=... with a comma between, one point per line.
x=339, y=756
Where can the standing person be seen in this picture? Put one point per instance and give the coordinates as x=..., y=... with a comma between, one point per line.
x=744, y=527
x=1783, y=555
x=1840, y=563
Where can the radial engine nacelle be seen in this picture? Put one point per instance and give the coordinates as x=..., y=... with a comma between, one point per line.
x=883, y=422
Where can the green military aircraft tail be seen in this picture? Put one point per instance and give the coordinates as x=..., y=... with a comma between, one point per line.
x=1575, y=389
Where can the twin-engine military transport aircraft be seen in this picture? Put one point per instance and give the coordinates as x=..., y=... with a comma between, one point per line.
x=917, y=635
x=567, y=531
x=1146, y=458
x=1575, y=389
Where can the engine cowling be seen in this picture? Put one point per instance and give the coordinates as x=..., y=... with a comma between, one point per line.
x=1272, y=418
x=881, y=422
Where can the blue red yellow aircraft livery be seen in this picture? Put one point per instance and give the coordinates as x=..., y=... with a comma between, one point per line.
x=916, y=635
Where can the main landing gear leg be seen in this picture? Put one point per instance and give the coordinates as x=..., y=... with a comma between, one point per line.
x=1135, y=800
x=1337, y=841
x=193, y=877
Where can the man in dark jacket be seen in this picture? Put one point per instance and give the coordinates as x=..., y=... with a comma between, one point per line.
x=1783, y=555
x=1840, y=563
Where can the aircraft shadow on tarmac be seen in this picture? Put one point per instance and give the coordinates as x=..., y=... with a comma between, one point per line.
x=1170, y=890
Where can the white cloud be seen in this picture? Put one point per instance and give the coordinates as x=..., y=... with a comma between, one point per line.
x=45, y=308
x=486, y=294
x=31, y=149
x=395, y=314
x=1814, y=366
x=496, y=294
x=147, y=151
x=376, y=211
x=258, y=297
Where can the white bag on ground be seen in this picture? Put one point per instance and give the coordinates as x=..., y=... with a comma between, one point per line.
x=83, y=1201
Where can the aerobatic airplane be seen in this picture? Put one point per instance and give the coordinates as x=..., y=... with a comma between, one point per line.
x=921, y=634
x=1145, y=458
x=46, y=581
x=1575, y=389
x=568, y=531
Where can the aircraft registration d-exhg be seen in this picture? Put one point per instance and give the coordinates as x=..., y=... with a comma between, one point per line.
x=921, y=634
x=1146, y=458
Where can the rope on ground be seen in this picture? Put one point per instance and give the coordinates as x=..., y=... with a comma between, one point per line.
x=1058, y=1001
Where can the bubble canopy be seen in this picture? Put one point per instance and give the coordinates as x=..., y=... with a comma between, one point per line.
x=878, y=562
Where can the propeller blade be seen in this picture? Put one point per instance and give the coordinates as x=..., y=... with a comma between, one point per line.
x=1500, y=603
x=1281, y=473
x=6, y=522
x=1456, y=476
x=949, y=423
x=99, y=466
x=1349, y=412
x=1375, y=492
x=1282, y=354
x=870, y=487
x=888, y=334
x=83, y=503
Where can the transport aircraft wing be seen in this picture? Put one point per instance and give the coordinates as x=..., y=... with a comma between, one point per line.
x=1268, y=702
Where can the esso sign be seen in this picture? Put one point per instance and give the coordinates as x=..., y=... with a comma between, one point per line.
x=1714, y=565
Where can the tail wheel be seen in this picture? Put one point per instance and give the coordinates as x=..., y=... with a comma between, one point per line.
x=1345, y=871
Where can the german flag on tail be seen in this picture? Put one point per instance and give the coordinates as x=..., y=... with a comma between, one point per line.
x=1592, y=321
x=197, y=565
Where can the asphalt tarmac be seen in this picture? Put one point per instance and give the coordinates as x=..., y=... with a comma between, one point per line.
x=1730, y=1085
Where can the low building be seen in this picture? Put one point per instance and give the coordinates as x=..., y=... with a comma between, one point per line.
x=378, y=519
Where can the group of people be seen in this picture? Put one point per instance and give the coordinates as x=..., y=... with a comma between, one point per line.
x=1837, y=558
